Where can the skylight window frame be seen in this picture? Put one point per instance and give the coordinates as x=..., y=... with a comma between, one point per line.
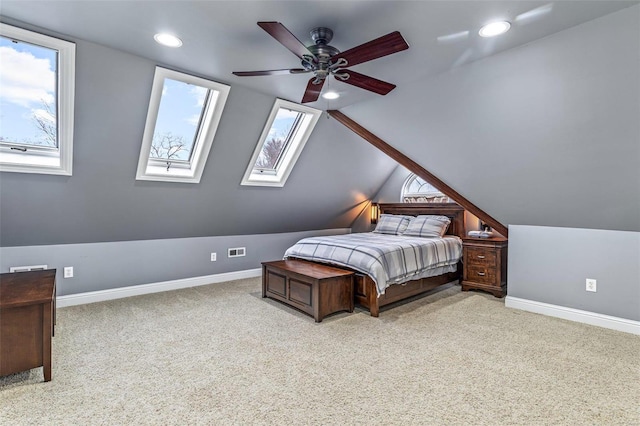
x=26, y=158
x=184, y=171
x=296, y=140
x=287, y=144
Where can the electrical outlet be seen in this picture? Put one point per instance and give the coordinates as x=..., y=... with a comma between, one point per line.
x=68, y=272
x=591, y=285
x=214, y=257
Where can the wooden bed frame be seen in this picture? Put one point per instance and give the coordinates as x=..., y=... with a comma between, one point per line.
x=365, y=291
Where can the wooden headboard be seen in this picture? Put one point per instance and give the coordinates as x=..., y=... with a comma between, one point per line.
x=452, y=211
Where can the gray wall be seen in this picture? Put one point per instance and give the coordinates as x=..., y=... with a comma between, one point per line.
x=389, y=192
x=551, y=265
x=544, y=134
x=101, y=266
x=335, y=174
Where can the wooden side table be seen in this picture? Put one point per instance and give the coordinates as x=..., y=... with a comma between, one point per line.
x=27, y=317
x=485, y=265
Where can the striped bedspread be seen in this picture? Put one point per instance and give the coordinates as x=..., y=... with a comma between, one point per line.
x=387, y=259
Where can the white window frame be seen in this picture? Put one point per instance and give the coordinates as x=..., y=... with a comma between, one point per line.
x=431, y=194
x=181, y=171
x=293, y=149
x=37, y=159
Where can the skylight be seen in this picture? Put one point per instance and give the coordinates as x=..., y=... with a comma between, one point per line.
x=179, y=116
x=287, y=130
x=183, y=116
x=282, y=132
x=36, y=99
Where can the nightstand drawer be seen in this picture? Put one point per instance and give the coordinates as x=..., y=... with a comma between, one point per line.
x=480, y=256
x=481, y=274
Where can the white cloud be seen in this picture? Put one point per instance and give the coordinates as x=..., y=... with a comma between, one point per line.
x=199, y=93
x=25, y=79
x=193, y=120
x=44, y=114
x=286, y=113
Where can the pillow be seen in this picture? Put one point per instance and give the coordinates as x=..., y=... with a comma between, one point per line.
x=427, y=226
x=392, y=224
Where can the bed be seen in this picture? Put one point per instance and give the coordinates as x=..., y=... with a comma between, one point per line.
x=373, y=290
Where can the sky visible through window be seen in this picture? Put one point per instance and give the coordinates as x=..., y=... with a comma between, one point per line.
x=178, y=117
x=28, y=104
x=276, y=140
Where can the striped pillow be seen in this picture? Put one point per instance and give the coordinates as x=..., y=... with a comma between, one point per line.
x=427, y=226
x=392, y=224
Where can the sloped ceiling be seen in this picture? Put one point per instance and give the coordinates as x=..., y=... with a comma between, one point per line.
x=222, y=36
x=544, y=134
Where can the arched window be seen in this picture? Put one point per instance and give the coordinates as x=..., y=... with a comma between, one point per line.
x=417, y=190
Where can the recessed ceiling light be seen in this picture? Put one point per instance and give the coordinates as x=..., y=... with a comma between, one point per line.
x=331, y=95
x=494, y=29
x=167, y=40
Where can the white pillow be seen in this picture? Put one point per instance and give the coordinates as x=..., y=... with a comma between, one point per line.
x=394, y=224
x=427, y=226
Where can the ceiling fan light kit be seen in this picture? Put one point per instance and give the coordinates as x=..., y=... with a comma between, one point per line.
x=331, y=95
x=324, y=60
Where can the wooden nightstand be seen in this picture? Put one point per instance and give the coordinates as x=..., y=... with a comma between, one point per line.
x=485, y=264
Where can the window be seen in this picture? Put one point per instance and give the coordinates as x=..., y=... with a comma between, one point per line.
x=37, y=79
x=417, y=190
x=282, y=140
x=184, y=112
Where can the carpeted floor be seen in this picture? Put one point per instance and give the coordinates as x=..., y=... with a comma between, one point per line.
x=221, y=354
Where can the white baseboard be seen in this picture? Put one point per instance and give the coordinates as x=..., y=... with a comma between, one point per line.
x=136, y=290
x=591, y=318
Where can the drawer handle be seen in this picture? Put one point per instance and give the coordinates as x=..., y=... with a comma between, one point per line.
x=480, y=257
x=481, y=274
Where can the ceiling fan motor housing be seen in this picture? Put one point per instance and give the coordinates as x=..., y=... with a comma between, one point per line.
x=321, y=36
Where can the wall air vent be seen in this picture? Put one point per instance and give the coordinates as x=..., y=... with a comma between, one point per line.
x=27, y=268
x=237, y=252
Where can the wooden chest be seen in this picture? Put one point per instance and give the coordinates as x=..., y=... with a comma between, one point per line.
x=27, y=319
x=318, y=290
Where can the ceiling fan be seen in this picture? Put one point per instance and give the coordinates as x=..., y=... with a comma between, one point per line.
x=324, y=60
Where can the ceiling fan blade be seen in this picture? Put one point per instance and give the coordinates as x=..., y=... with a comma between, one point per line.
x=270, y=72
x=284, y=36
x=365, y=82
x=383, y=46
x=313, y=91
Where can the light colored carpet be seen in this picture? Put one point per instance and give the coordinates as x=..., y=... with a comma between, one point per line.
x=220, y=354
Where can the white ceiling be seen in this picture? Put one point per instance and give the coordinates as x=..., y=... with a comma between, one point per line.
x=222, y=36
